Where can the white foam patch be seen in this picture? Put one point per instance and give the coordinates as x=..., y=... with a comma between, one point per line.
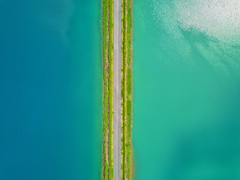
x=217, y=18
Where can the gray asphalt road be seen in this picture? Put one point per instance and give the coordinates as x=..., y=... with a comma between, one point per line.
x=117, y=92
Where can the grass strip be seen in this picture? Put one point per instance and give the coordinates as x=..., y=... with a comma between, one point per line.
x=107, y=59
x=126, y=91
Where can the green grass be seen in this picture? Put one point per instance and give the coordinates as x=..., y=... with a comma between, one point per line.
x=127, y=164
x=107, y=56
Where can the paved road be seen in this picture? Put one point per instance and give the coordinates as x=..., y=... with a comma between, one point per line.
x=117, y=92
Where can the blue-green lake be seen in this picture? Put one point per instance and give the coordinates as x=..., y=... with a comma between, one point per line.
x=50, y=90
x=186, y=69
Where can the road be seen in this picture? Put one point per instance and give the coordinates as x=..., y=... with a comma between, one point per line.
x=117, y=92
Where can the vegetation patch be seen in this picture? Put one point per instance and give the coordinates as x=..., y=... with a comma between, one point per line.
x=126, y=91
x=107, y=56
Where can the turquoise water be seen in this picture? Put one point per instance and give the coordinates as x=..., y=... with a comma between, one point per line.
x=186, y=118
x=50, y=90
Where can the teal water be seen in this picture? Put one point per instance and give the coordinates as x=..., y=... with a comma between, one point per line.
x=186, y=118
x=50, y=90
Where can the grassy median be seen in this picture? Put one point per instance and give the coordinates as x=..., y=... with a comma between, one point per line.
x=126, y=91
x=107, y=53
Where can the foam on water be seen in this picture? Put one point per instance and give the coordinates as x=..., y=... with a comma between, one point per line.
x=207, y=26
x=217, y=18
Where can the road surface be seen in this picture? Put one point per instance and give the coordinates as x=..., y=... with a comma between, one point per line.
x=117, y=92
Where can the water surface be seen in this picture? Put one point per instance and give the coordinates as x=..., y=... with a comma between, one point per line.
x=186, y=120
x=50, y=90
